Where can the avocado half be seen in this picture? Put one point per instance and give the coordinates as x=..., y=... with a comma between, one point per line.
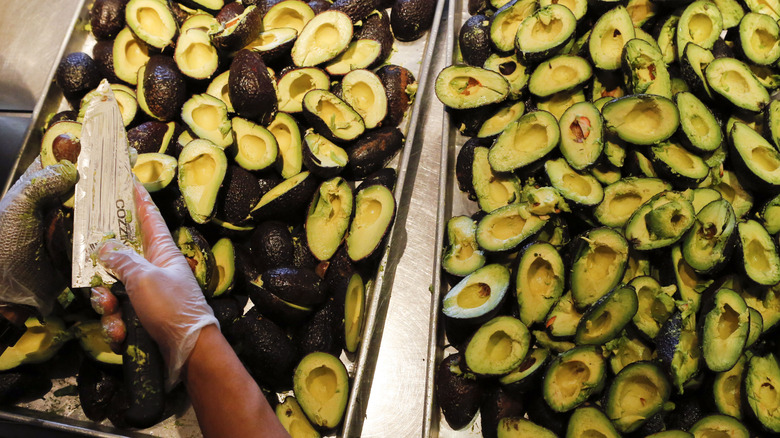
x=374, y=214
x=40, y=341
x=152, y=22
x=129, y=54
x=202, y=167
x=61, y=141
x=195, y=56
x=293, y=419
x=363, y=91
x=235, y=34
x=331, y=116
x=478, y=296
x=328, y=217
x=323, y=38
x=199, y=256
x=93, y=341
x=161, y=90
x=207, y=116
x=155, y=170
x=321, y=386
x=295, y=83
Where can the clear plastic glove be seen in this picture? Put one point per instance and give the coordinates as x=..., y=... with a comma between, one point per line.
x=161, y=287
x=26, y=271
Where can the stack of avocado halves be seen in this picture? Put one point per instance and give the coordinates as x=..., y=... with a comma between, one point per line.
x=618, y=272
x=264, y=130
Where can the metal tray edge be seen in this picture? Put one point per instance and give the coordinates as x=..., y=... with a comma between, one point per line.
x=380, y=292
x=432, y=417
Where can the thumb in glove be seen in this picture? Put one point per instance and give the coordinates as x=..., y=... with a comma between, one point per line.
x=161, y=287
x=27, y=275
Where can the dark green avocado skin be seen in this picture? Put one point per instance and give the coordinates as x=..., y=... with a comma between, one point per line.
x=319, y=6
x=474, y=40
x=356, y=10
x=272, y=245
x=410, y=19
x=240, y=192
x=245, y=31
x=459, y=394
x=377, y=27
x=77, y=74
x=373, y=151
x=103, y=53
x=384, y=177
x=251, y=88
x=288, y=205
x=96, y=387
x=395, y=79
x=227, y=310
x=164, y=88
x=147, y=137
x=266, y=350
x=499, y=404
x=143, y=373
x=668, y=338
x=21, y=383
x=296, y=285
x=323, y=332
x=107, y=18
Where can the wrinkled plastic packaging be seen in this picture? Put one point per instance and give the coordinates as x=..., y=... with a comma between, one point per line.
x=104, y=205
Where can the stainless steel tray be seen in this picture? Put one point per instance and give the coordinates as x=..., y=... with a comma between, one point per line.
x=62, y=413
x=452, y=202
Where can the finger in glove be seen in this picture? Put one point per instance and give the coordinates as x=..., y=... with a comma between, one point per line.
x=103, y=301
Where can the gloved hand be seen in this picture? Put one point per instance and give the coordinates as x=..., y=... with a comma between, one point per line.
x=26, y=271
x=161, y=287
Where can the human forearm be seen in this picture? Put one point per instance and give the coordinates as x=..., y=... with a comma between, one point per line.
x=226, y=399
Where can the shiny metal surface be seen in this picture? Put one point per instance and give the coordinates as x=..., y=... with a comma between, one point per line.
x=31, y=33
x=13, y=127
x=452, y=202
x=398, y=299
x=49, y=100
x=396, y=405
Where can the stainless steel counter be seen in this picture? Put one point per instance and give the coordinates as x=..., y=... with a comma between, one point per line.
x=31, y=33
x=396, y=405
